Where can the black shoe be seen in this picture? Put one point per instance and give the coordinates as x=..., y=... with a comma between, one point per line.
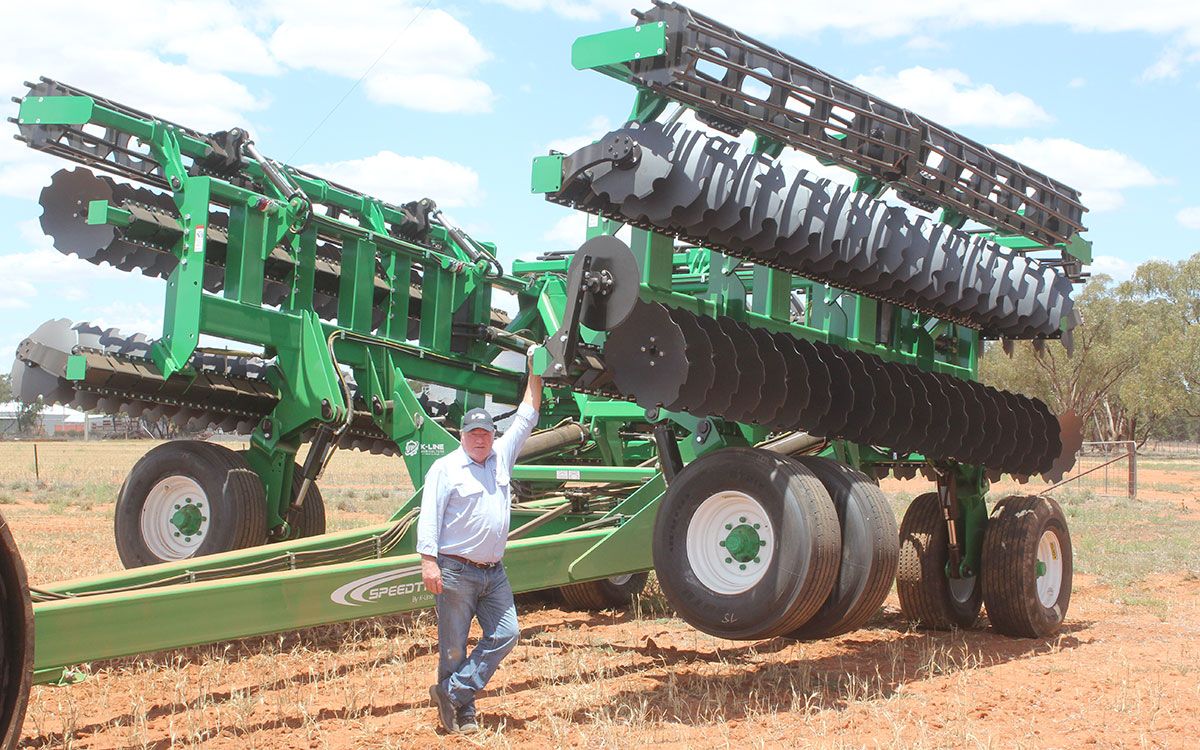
x=445, y=707
x=466, y=720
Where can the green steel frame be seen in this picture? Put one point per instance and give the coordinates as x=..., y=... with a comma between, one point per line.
x=125, y=613
x=128, y=613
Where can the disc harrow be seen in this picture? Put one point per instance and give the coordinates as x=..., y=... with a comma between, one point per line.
x=679, y=383
x=735, y=83
x=222, y=391
x=705, y=190
x=665, y=357
x=153, y=229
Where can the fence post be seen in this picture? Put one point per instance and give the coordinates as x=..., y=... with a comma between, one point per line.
x=37, y=474
x=1132, y=449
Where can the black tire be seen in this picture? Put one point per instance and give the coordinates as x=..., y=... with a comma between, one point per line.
x=927, y=595
x=234, y=505
x=616, y=592
x=1020, y=601
x=16, y=639
x=310, y=521
x=870, y=550
x=726, y=596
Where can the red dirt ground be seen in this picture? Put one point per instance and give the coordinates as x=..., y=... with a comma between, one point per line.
x=1125, y=672
x=1118, y=676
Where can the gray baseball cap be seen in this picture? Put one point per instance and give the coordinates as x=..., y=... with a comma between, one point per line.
x=478, y=419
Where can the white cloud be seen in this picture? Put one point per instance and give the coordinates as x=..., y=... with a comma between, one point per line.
x=1077, y=82
x=416, y=56
x=1171, y=61
x=168, y=58
x=1180, y=21
x=1102, y=175
x=594, y=130
x=172, y=58
x=577, y=11
x=568, y=232
x=1189, y=217
x=924, y=43
x=886, y=18
x=948, y=96
x=399, y=179
x=35, y=272
x=1110, y=265
x=129, y=317
x=125, y=56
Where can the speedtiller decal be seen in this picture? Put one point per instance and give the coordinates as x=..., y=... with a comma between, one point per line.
x=378, y=586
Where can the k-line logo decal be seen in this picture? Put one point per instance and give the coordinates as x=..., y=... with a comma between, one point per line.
x=370, y=589
x=412, y=447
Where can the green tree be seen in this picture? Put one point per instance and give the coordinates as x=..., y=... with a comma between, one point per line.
x=1105, y=351
x=29, y=418
x=6, y=393
x=1166, y=384
x=1135, y=370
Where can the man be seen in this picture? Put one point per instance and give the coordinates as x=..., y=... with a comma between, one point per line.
x=460, y=536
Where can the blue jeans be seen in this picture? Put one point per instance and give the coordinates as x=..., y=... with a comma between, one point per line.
x=469, y=592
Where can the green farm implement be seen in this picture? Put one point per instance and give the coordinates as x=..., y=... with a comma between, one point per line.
x=725, y=387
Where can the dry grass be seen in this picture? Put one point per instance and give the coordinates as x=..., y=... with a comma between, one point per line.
x=69, y=501
x=613, y=679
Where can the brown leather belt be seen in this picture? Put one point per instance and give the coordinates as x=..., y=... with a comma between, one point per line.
x=472, y=563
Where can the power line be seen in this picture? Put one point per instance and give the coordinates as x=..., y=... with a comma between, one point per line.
x=366, y=72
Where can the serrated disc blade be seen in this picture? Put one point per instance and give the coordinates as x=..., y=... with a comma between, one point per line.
x=774, y=390
x=1004, y=447
x=750, y=370
x=647, y=356
x=935, y=437
x=860, y=417
x=903, y=404
x=64, y=212
x=914, y=434
x=620, y=184
x=841, y=392
x=699, y=365
x=878, y=430
x=976, y=420
x=799, y=388
x=1051, y=435
x=1071, y=436
x=1023, y=436
x=725, y=360
x=820, y=387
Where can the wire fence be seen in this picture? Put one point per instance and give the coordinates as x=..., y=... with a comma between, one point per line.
x=1170, y=449
x=1106, y=468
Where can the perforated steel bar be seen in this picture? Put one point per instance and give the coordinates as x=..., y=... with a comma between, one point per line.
x=723, y=73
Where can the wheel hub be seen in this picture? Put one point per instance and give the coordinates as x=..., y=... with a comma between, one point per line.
x=743, y=542
x=730, y=542
x=174, y=518
x=187, y=518
x=1049, y=569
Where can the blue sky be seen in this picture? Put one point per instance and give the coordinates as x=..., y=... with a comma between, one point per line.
x=461, y=95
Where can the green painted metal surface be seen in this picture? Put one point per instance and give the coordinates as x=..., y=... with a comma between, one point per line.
x=547, y=174
x=619, y=46
x=76, y=367
x=59, y=110
x=82, y=629
x=395, y=335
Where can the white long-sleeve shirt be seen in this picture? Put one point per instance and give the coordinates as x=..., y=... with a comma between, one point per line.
x=465, y=505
